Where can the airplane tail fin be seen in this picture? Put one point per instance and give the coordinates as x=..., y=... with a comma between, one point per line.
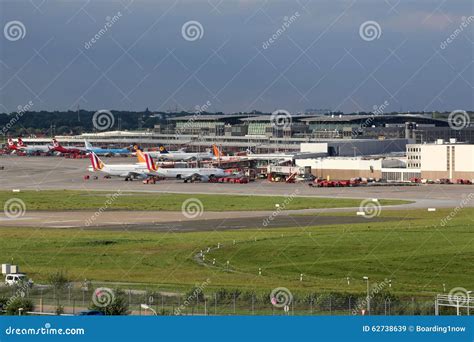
x=97, y=164
x=150, y=164
x=56, y=144
x=140, y=156
x=216, y=151
x=11, y=144
x=88, y=145
x=163, y=149
x=21, y=143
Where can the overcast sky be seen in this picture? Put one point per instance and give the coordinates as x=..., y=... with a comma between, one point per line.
x=240, y=55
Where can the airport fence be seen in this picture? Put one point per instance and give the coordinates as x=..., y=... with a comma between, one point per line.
x=74, y=300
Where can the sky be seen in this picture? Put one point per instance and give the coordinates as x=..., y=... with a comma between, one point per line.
x=237, y=56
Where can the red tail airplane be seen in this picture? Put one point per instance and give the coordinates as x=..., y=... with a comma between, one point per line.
x=61, y=149
x=11, y=145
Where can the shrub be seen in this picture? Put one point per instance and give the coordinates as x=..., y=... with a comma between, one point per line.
x=19, y=302
x=117, y=307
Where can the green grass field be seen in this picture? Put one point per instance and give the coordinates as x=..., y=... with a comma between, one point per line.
x=418, y=255
x=83, y=200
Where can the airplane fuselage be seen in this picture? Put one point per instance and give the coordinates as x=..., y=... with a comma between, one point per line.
x=181, y=155
x=124, y=170
x=106, y=151
x=184, y=173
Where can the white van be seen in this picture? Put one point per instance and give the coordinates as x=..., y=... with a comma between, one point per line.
x=17, y=279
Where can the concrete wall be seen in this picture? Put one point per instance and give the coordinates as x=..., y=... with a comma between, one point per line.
x=451, y=161
x=343, y=168
x=434, y=158
x=434, y=175
x=464, y=158
x=314, y=147
x=357, y=147
x=335, y=174
x=348, y=148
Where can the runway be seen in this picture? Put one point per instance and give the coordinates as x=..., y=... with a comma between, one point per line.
x=176, y=222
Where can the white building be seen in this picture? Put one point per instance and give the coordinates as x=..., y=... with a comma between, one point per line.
x=449, y=160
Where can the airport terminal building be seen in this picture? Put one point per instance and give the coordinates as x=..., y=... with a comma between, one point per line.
x=393, y=147
x=442, y=160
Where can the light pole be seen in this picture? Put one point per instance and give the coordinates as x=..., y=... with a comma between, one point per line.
x=147, y=307
x=368, y=296
x=468, y=300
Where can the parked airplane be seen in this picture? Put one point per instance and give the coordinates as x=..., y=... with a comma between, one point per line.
x=278, y=157
x=21, y=146
x=105, y=151
x=248, y=155
x=186, y=174
x=127, y=171
x=218, y=156
x=57, y=147
x=179, y=155
x=11, y=145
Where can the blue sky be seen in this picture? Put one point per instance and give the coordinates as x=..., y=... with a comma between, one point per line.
x=319, y=61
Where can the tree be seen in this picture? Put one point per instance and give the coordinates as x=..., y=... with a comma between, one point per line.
x=59, y=310
x=3, y=303
x=116, y=305
x=58, y=280
x=19, y=303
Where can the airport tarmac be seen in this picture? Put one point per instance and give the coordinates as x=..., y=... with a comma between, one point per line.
x=56, y=173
